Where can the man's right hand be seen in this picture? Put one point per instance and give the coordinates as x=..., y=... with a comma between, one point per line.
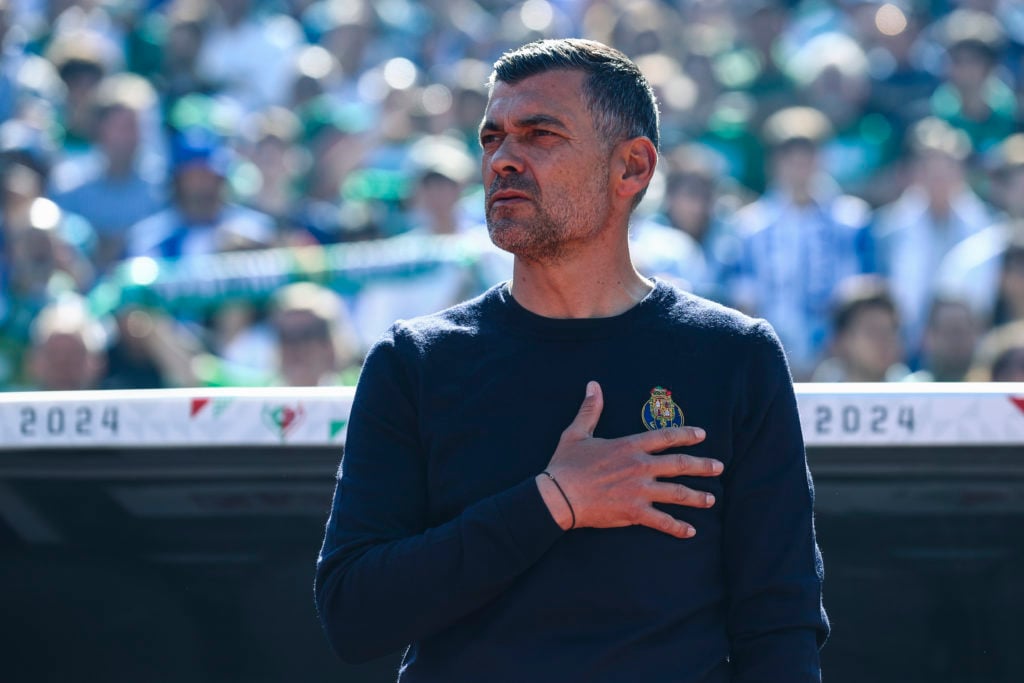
x=613, y=482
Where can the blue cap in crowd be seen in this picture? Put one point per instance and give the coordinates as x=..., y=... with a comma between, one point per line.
x=198, y=146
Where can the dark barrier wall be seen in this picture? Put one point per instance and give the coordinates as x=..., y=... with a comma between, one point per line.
x=195, y=563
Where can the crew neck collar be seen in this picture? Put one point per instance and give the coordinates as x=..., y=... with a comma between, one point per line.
x=577, y=327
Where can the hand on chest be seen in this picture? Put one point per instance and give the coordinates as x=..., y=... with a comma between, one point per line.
x=490, y=431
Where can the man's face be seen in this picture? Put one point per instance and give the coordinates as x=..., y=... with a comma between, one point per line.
x=950, y=340
x=795, y=166
x=305, y=348
x=545, y=168
x=119, y=134
x=199, y=192
x=871, y=344
x=1008, y=189
x=63, y=363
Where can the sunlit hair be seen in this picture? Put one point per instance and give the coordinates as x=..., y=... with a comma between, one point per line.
x=619, y=97
x=123, y=91
x=327, y=307
x=859, y=293
x=995, y=352
x=932, y=135
x=69, y=316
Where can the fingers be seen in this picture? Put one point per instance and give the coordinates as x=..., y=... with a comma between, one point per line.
x=670, y=437
x=678, y=465
x=666, y=523
x=585, y=422
x=676, y=494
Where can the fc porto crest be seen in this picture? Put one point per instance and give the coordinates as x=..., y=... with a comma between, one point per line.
x=660, y=411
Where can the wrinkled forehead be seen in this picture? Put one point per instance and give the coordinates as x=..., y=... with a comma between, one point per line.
x=556, y=93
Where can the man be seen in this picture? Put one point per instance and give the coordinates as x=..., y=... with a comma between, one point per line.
x=799, y=240
x=937, y=211
x=201, y=219
x=510, y=533
x=111, y=189
x=68, y=346
x=865, y=344
x=973, y=267
x=951, y=334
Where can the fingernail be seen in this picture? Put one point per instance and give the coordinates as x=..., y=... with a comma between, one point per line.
x=698, y=432
x=591, y=389
x=709, y=499
x=690, y=532
x=716, y=466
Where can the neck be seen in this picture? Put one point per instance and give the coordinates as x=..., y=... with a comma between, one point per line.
x=119, y=168
x=940, y=208
x=598, y=281
x=855, y=373
x=443, y=223
x=800, y=195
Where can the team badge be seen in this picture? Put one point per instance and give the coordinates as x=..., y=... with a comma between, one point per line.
x=660, y=411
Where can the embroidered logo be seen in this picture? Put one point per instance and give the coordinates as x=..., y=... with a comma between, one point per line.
x=660, y=411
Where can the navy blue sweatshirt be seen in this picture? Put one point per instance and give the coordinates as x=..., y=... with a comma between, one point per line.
x=439, y=539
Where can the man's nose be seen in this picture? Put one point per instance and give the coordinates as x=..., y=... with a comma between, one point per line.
x=507, y=158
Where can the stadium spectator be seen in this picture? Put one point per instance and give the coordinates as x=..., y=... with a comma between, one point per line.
x=275, y=162
x=938, y=210
x=951, y=335
x=349, y=31
x=180, y=38
x=439, y=169
x=973, y=266
x=68, y=345
x=337, y=139
x=687, y=241
x=1000, y=356
x=1006, y=181
x=695, y=195
x=112, y=190
x=761, y=24
x=865, y=344
x=201, y=219
x=469, y=98
x=45, y=249
x=306, y=339
x=832, y=73
x=27, y=80
x=1009, y=304
x=82, y=58
x=901, y=81
x=316, y=343
x=149, y=349
x=799, y=240
x=246, y=53
x=973, y=97
x=316, y=73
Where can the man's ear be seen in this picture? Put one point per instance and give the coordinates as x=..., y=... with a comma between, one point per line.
x=636, y=160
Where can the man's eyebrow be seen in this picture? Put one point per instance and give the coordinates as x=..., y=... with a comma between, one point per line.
x=541, y=120
x=527, y=122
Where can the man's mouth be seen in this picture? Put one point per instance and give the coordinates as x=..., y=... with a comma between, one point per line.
x=508, y=197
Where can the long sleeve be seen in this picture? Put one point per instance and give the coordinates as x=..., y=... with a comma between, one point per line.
x=774, y=572
x=383, y=578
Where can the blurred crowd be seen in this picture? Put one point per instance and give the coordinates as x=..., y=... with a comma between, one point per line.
x=851, y=170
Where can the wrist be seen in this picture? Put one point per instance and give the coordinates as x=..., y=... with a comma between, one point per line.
x=557, y=503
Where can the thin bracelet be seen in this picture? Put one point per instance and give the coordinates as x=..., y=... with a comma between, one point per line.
x=560, y=490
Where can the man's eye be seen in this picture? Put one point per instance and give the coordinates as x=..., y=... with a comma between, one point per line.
x=488, y=139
